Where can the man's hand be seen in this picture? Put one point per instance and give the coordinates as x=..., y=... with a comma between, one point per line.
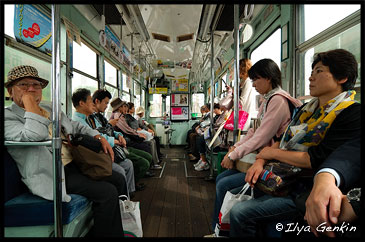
x=253, y=173
x=122, y=141
x=30, y=102
x=113, y=122
x=106, y=147
x=323, y=203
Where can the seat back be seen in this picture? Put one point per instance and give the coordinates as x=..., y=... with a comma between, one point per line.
x=13, y=185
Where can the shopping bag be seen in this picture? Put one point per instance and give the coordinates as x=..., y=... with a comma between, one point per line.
x=229, y=200
x=242, y=119
x=131, y=217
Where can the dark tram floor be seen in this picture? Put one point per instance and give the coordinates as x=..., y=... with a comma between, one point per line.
x=177, y=202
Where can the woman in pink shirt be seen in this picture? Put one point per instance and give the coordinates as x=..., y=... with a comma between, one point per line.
x=273, y=117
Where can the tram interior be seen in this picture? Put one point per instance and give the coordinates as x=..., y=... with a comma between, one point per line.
x=172, y=69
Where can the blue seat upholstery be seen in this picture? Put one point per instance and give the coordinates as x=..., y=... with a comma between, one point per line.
x=30, y=210
x=25, y=209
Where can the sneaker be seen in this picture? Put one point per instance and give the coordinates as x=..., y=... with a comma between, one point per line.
x=210, y=236
x=198, y=163
x=202, y=167
x=156, y=167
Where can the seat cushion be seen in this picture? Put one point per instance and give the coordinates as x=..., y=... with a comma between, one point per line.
x=30, y=210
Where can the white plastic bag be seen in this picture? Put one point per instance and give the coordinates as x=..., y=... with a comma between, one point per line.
x=228, y=202
x=131, y=217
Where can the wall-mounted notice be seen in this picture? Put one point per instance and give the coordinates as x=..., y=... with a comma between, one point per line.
x=179, y=113
x=33, y=27
x=179, y=100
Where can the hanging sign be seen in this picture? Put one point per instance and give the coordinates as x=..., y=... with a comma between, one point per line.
x=73, y=33
x=157, y=90
x=32, y=27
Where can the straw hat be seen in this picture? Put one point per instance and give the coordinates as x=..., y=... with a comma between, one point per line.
x=116, y=103
x=20, y=72
x=139, y=110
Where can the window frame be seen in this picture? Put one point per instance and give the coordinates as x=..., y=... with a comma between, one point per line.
x=301, y=48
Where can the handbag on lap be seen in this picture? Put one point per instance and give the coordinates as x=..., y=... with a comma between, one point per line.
x=89, y=156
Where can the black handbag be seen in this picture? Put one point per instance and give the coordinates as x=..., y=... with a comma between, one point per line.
x=278, y=178
x=120, y=152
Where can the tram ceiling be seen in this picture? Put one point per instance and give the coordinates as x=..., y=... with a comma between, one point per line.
x=170, y=33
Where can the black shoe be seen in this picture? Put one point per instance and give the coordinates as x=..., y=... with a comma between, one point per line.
x=149, y=174
x=140, y=187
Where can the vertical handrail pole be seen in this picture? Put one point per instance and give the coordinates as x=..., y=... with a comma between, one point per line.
x=56, y=125
x=236, y=70
x=212, y=91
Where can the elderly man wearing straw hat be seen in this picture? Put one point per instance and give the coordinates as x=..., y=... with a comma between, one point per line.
x=27, y=119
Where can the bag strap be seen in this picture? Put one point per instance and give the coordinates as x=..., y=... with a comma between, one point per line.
x=123, y=196
x=244, y=190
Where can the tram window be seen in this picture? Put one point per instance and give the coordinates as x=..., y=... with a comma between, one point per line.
x=84, y=59
x=126, y=97
x=114, y=92
x=81, y=81
x=143, y=98
x=197, y=100
x=9, y=20
x=110, y=74
x=268, y=50
x=137, y=94
x=348, y=40
x=14, y=57
x=126, y=83
x=325, y=16
x=156, y=106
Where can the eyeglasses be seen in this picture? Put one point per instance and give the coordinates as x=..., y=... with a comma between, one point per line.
x=26, y=85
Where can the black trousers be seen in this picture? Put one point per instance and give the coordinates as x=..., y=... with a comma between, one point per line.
x=104, y=195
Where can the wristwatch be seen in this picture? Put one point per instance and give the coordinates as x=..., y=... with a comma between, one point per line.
x=229, y=157
x=354, y=194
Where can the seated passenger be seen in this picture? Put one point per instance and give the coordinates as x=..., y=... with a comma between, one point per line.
x=27, y=119
x=81, y=100
x=203, y=124
x=133, y=123
x=337, y=175
x=274, y=116
x=120, y=108
x=101, y=100
x=148, y=127
x=218, y=119
x=191, y=136
x=330, y=119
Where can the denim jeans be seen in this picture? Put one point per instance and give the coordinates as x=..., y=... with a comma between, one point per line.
x=246, y=215
x=226, y=181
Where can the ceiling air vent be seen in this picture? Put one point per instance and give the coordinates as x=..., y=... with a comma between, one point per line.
x=161, y=37
x=184, y=37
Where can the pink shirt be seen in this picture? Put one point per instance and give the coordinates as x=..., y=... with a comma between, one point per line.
x=274, y=122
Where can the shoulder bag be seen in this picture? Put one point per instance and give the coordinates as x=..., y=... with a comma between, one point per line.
x=88, y=155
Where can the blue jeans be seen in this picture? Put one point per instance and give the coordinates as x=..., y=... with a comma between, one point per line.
x=246, y=215
x=226, y=181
